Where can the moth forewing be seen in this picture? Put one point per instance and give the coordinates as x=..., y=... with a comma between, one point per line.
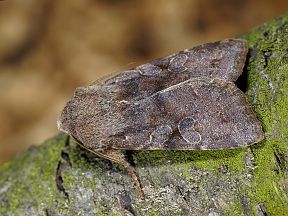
x=199, y=113
x=186, y=100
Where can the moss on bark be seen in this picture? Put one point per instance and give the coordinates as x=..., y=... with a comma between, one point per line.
x=60, y=178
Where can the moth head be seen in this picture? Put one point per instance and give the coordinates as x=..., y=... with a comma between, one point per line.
x=69, y=117
x=82, y=118
x=63, y=123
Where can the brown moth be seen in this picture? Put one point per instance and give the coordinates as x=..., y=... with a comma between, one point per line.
x=184, y=101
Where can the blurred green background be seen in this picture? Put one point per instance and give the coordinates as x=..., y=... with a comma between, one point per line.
x=47, y=48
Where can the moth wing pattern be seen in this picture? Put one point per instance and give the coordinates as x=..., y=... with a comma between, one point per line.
x=168, y=103
x=196, y=114
x=223, y=59
x=183, y=101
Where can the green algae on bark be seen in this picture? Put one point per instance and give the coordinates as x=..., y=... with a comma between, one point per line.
x=60, y=178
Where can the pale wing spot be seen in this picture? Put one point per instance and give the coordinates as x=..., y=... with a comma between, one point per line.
x=177, y=63
x=187, y=131
x=160, y=135
x=149, y=69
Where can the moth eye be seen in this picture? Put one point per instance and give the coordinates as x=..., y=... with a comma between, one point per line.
x=187, y=131
x=160, y=135
x=177, y=63
x=149, y=69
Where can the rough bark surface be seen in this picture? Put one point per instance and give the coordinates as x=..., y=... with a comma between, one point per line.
x=60, y=178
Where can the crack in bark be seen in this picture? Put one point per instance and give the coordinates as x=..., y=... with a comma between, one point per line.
x=67, y=141
x=281, y=160
x=129, y=157
x=48, y=212
x=65, y=159
x=183, y=195
x=262, y=210
x=242, y=81
x=125, y=202
x=59, y=179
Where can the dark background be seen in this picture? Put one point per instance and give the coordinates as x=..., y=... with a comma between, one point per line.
x=47, y=48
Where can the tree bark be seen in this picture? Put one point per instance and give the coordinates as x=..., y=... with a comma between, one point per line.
x=60, y=178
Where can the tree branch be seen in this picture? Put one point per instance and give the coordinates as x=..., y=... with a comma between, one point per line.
x=60, y=178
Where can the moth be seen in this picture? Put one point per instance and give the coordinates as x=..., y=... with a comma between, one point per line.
x=184, y=101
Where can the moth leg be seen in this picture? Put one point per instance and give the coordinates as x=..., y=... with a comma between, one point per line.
x=118, y=157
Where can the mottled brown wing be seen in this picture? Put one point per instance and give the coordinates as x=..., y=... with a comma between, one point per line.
x=196, y=114
x=223, y=59
x=146, y=108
